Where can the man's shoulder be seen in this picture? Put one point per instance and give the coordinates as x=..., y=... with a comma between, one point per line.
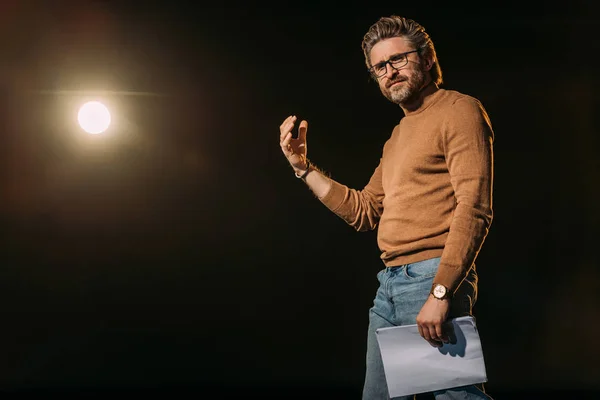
x=461, y=106
x=453, y=97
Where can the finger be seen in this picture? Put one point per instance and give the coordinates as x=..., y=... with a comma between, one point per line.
x=428, y=333
x=439, y=332
x=285, y=121
x=433, y=340
x=433, y=332
x=291, y=120
x=424, y=332
x=286, y=147
x=286, y=140
x=284, y=124
x=287, y=128
x=302, y=129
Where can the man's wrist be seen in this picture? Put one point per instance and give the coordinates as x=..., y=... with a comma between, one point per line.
x=444, y=299
x=440, y=292
x=301, y=173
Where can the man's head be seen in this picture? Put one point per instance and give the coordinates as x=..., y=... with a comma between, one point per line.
x=401, y=57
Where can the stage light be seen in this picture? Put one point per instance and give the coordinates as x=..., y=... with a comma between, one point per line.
x=94, y=117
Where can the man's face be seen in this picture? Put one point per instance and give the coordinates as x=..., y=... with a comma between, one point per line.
x=399, y=83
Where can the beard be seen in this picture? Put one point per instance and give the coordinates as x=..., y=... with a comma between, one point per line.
x=408, y=90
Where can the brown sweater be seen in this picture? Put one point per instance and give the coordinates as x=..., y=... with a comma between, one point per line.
x=431, y=194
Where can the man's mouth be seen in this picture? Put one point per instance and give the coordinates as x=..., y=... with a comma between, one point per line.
x=397, y=81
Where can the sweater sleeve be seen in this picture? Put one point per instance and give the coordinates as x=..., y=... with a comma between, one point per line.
x=468, y=146
x=361, y=209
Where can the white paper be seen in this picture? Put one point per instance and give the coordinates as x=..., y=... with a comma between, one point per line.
x=414, y=366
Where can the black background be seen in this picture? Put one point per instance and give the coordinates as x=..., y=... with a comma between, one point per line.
x=177, y=253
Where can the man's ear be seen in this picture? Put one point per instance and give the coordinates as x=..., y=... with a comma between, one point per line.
x=428, y=63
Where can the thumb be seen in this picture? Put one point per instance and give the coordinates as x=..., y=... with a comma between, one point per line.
x=302, y=128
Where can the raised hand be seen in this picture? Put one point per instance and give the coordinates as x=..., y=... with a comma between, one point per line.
x=294, y=149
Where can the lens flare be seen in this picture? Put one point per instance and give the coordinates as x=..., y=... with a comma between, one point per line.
x=94, y=117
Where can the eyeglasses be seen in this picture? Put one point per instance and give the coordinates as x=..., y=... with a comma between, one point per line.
x=396, y=61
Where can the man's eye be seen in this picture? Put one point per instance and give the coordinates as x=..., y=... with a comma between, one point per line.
x=397, y=59
x=379, y=67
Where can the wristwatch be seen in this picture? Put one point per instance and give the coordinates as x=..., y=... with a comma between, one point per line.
x=440, y=291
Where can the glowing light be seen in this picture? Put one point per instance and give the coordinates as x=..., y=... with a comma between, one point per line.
x=94, y=117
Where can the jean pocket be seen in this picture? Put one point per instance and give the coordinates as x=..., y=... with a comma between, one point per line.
x=422, y=270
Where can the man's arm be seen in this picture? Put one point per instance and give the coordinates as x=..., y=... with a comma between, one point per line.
x=317, y=181
x=360, y=209
x=469, y=155
x=468, y=146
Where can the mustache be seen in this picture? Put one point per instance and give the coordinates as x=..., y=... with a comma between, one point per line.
x=396, y=80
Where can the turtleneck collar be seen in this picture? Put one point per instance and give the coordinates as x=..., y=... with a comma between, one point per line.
x=426, y=97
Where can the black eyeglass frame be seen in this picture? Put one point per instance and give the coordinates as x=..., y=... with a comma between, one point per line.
x=383, y=64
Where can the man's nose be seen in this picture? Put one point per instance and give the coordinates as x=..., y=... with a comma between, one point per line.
x=390, y=71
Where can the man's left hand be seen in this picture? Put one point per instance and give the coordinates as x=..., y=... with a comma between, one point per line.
x=430, y=320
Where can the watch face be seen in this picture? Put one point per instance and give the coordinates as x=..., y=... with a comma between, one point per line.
x=439, y=291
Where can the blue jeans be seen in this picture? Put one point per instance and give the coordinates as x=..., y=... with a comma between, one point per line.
x=402, y=292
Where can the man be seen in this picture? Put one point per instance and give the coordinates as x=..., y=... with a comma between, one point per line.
x=430, y=196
